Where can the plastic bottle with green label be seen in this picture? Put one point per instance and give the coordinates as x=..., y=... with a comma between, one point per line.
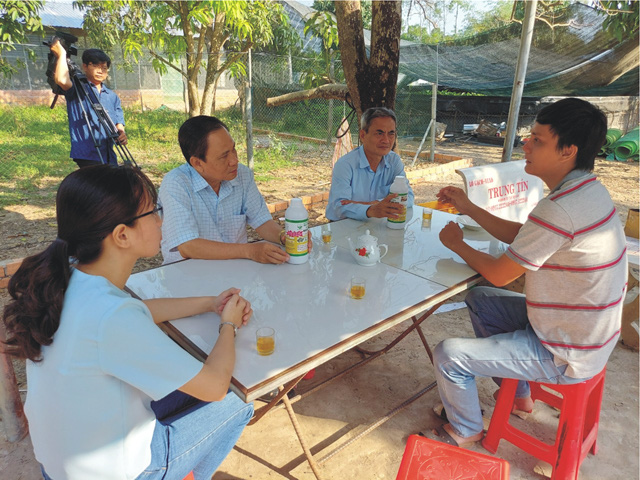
x=401, y=188
x=296, y=227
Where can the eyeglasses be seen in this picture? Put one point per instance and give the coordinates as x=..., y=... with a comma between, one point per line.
x=99, y=66
x=379, y=134
x=157, y=210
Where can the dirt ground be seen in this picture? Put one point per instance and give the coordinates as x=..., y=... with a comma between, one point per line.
x=270, y=450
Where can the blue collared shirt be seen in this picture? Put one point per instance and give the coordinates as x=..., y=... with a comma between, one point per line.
x=353, y=179
x=82, y=145
x=192, y=209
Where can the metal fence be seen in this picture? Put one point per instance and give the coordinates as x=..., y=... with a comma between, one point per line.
x=142, y=88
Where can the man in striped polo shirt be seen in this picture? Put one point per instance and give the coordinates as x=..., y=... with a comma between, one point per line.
x=572, y=250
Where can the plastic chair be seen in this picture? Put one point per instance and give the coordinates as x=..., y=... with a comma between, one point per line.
x=426, y=459
x=579, y=406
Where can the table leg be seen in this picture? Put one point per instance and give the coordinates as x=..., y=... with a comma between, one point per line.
x=417, y=323
x=282, y=394
x=303, y=443
x=13, y=418
x=414, y=326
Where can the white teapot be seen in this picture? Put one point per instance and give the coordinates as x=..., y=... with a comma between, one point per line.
x=366, y=250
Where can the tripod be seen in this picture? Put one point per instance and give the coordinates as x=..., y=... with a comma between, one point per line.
x=87, y=95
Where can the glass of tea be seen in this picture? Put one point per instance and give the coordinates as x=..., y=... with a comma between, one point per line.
x=326, y=233
x=427, y=213
x=265, y=341
x=358, y=286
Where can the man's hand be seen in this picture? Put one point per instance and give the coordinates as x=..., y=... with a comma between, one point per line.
x=386, y=208
x=456, y=197
x=265, y=252
x=283, y=239
x=310, y=242
x=451, y=235
x=61, y=73
x=221, y=300
x=122, y=137
x=57, y=49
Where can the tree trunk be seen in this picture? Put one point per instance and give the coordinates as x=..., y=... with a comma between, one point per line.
x=194, y=55
x=371, y=81
x=386, y=24
x=215, y=40
x=212, y=104
x=352, y=50
x=192, y=93
x=209, y=95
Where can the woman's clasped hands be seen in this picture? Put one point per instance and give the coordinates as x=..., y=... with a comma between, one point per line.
x=232, y=307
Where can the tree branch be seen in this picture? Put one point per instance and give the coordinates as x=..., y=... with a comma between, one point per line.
x=234, y=57
x=167, y=63
x=327, y=92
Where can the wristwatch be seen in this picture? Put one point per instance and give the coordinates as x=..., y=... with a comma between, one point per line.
x=235, y=328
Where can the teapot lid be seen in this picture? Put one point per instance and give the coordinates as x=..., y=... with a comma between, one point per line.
x=367, y=238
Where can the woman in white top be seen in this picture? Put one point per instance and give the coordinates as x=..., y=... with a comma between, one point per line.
x=110, y=395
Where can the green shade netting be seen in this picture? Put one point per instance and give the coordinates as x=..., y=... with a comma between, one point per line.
x=627, y=146
x=613, y=135
x=576, y=57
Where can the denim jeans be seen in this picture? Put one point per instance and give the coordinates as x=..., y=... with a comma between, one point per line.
x=192, y=435
x=506, y=347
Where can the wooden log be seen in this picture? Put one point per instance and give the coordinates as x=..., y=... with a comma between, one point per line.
x=333, y=90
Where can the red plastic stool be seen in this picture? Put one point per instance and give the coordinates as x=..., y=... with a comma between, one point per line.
x=426, y=459
x=577, y=429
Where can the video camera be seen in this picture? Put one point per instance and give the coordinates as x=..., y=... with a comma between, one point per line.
x=66, y=40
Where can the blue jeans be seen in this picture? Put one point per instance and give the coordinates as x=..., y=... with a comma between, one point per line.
x=506, y=347
x=192, y=435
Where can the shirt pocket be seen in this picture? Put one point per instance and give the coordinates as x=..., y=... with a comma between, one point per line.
x=235, y=229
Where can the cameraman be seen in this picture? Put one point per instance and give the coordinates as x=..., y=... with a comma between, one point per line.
x=95, y=65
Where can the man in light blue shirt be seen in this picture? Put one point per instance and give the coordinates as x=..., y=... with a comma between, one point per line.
x=95, y=65
x=209, y=201
x=361, y=179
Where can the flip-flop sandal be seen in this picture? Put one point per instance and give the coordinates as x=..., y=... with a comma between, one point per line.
x=442, y=436
x=441, y=413
x=523, y=414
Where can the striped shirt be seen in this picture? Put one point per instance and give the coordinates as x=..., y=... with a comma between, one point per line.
x=192, y=209
x=574, y=250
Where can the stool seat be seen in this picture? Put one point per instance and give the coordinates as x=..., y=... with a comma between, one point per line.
x=426, y=459
x=579, y=406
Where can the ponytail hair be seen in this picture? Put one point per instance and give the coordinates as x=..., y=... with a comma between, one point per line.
x=90, y=203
